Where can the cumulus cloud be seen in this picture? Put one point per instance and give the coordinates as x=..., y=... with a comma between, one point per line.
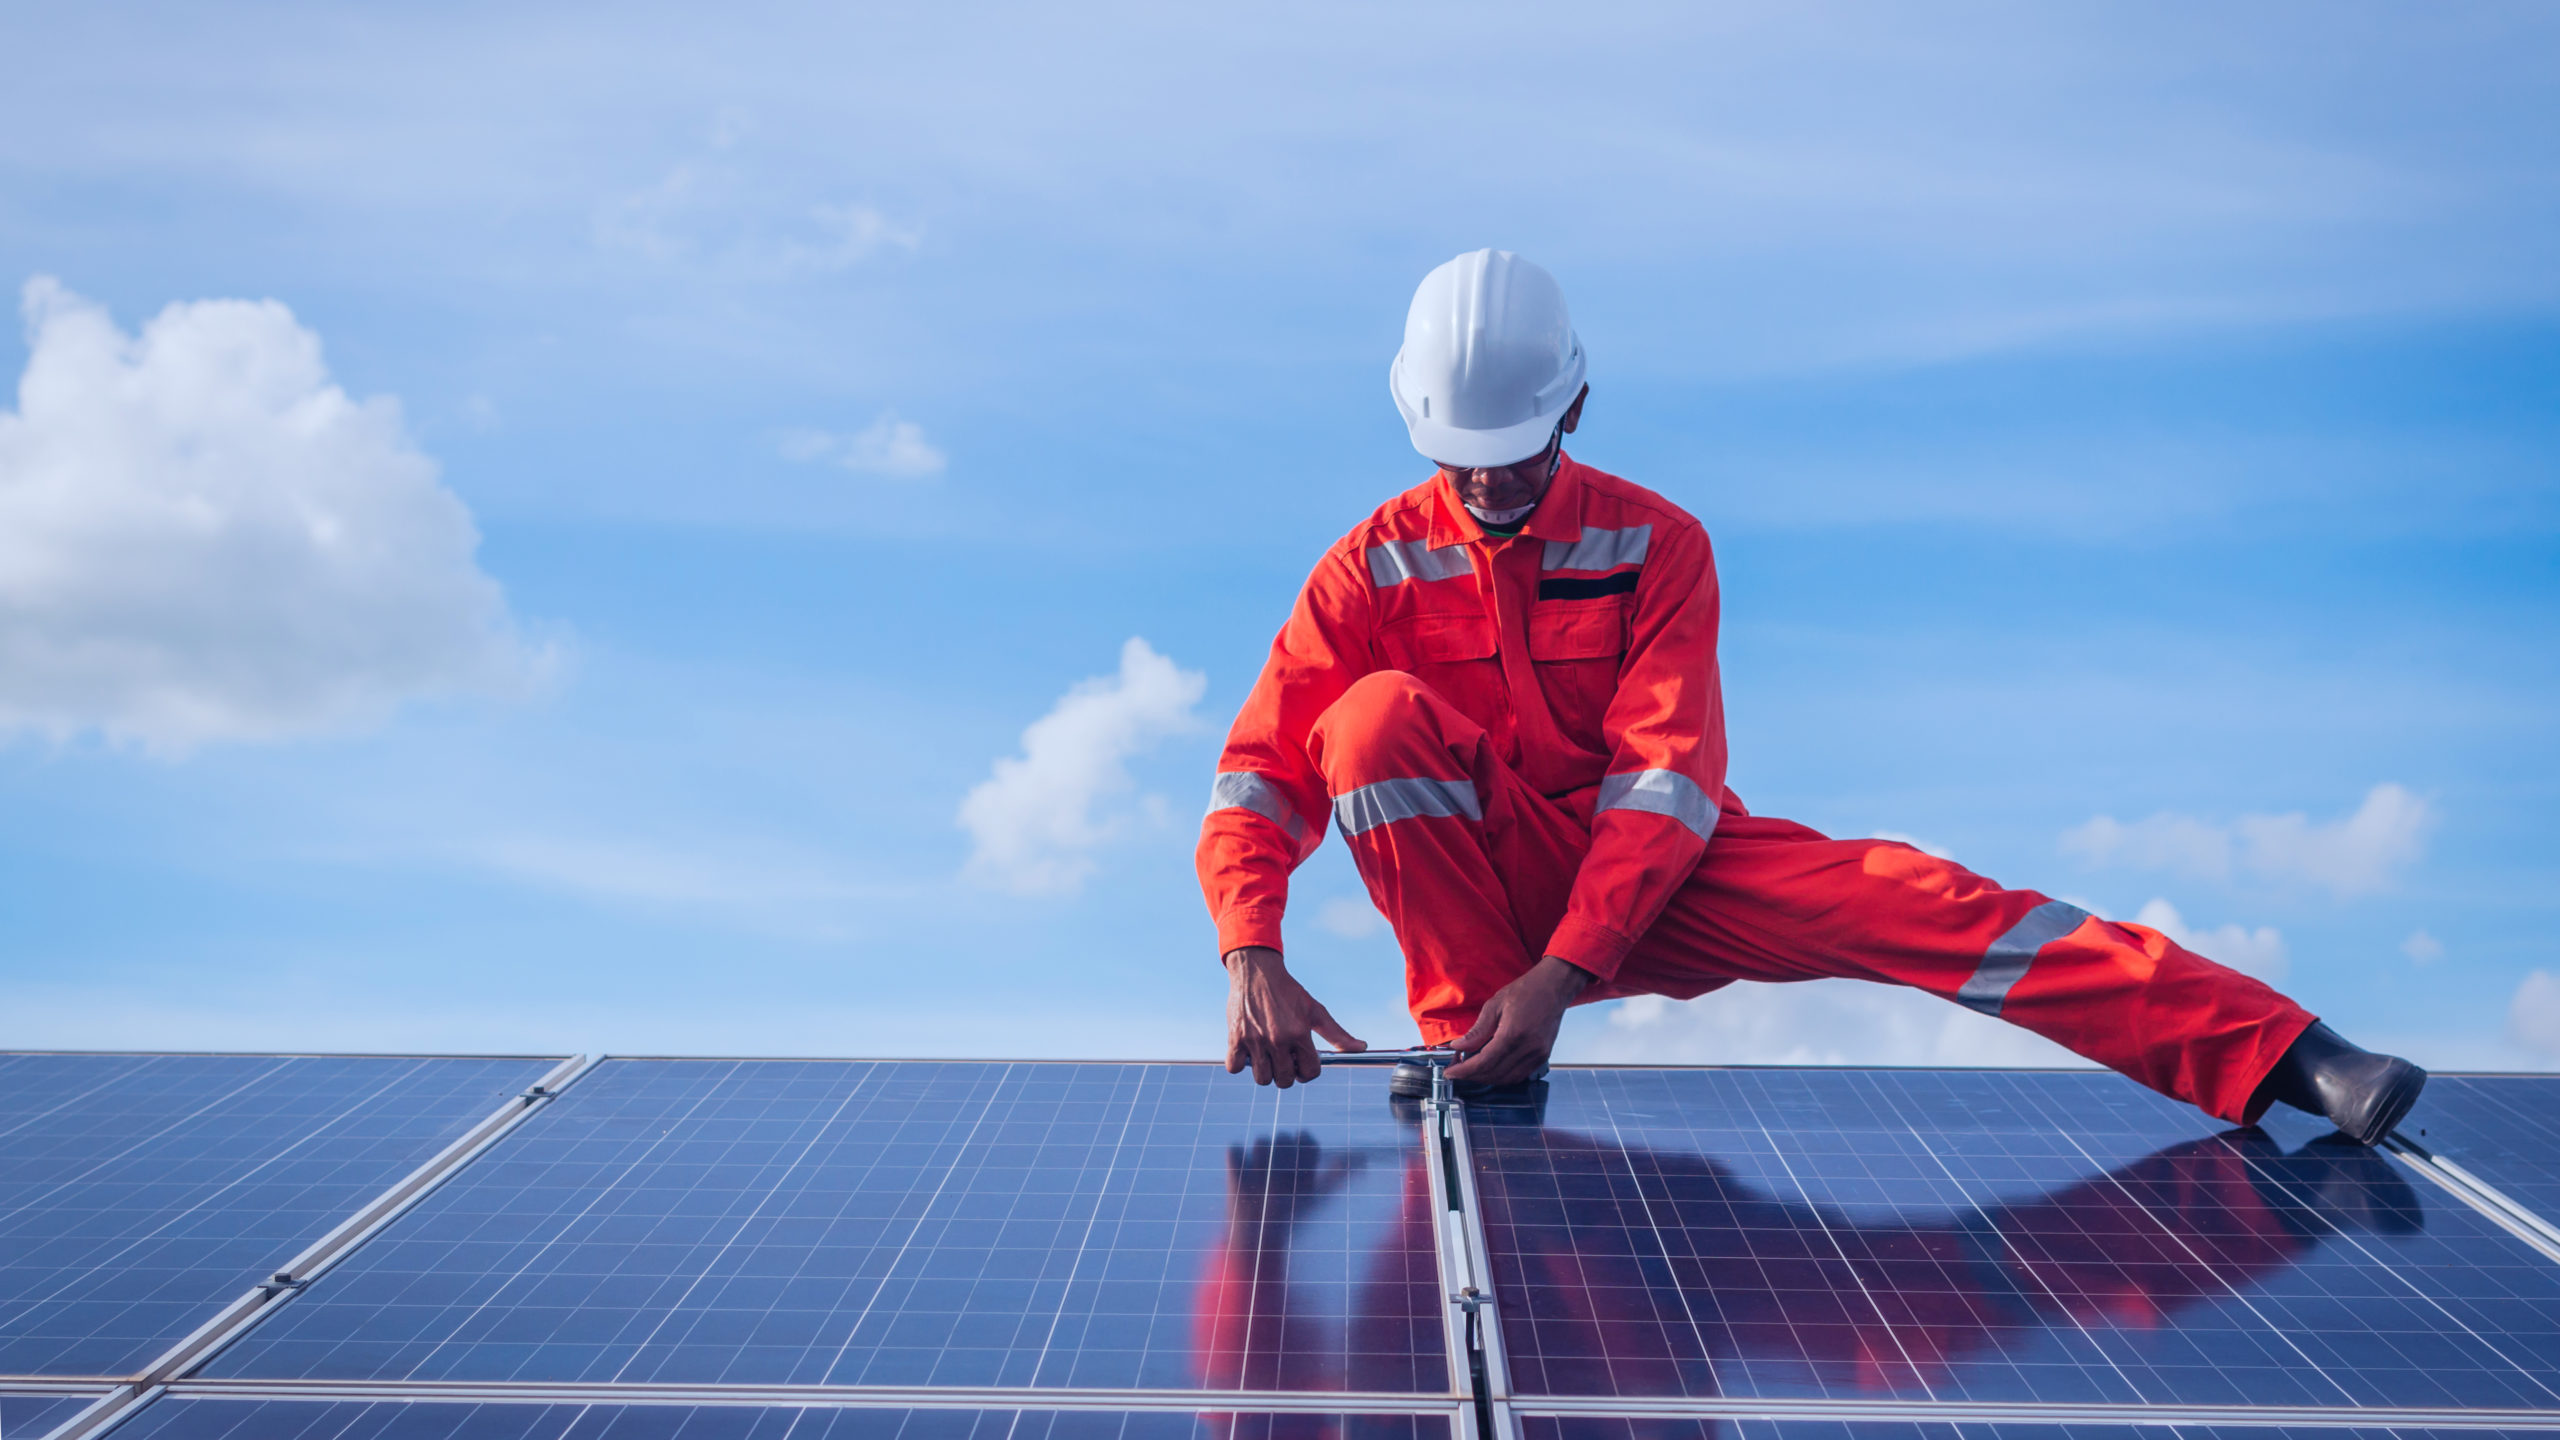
x=888, y=446
x=203, y=538
x=2258, y=952
x=2356, y=855
x=2533, y=1016
x=1033, y=822
x=2422, y=947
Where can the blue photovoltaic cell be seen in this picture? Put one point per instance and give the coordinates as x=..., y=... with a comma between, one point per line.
x=906, y=1223
x=141, y=1193
x=1660, y=1428
x=23, y=1417
x=1987, y=1236
x=2503, y=1128
x=200, y=1419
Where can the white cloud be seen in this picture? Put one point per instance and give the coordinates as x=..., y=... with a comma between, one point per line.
x=1914, y=841
x=2353, y=856
x=2533, y=1016
x=888, y=446
x=202, y=538
x=2258, y=952
x=1815, y=1022
x=2422, y=947
x=1033, y=821
x=1351, y=917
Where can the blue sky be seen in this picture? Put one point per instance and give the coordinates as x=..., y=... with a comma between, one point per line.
x=2098, y=413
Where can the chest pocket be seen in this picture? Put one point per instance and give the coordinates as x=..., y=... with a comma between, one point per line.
x=1578, y=630
x=1579, y=646
x=1422, y=641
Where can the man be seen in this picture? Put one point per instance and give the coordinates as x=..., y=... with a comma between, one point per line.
x=1502, y=687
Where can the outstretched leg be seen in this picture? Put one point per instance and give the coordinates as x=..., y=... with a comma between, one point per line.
x=1774, y=900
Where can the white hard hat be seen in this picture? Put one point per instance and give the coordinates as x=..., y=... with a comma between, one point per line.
x=1490, y=361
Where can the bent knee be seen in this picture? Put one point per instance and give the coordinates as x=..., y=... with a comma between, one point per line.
x=1381, y=725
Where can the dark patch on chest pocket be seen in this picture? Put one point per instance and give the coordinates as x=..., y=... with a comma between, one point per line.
x=1435, y=640
x=1572, y=588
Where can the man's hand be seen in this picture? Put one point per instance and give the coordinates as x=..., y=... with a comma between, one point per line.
x=1517, y=1027
x=1268, y=1016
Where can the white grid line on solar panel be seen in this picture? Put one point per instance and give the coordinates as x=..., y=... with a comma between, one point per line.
x=1805, y=1272
x=27, y=1415
x=2503, y=1128
x=158, y=1188
x=640, y=1205
x=200, y=1419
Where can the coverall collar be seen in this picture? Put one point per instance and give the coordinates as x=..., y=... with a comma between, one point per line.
x=1558, y=516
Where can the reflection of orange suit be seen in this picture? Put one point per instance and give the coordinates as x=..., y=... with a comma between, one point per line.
x=1821, y=1301
x=1523, y=744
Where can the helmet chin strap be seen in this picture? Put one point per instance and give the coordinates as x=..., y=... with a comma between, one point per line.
x=1555, y=462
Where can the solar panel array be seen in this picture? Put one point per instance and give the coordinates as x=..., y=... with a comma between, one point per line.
x=769, y=1248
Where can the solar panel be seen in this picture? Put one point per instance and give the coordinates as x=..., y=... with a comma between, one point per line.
x=1986, y=1236
x=2503, y=1128
x=31, y=1415
x=851, y=1223
x=202, y=1419
x=141, y=1193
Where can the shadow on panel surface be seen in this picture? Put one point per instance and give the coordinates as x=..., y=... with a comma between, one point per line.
x=1987, y=1236
x=141, y=1193
x=1605, y=1427
x=195, y=1419
x=905, y=1223
x=2503, y=1128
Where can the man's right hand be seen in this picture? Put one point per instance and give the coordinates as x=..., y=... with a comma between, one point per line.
x=1269, y=1017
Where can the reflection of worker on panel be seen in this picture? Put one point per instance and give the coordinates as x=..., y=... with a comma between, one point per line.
x=1502, y=686
x=1807, y=1295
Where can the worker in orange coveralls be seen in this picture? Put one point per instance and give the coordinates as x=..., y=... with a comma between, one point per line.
x=1502, y=688
x=1889, y=1307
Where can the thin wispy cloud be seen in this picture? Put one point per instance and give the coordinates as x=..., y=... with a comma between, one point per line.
x=888, y=447
x=2357, y=854
x=203, y=538
x=1037, y=823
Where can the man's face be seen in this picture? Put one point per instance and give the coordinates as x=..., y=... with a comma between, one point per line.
x=1505, y=487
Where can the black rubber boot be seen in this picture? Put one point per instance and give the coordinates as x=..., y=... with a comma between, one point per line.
x=2360, y=1092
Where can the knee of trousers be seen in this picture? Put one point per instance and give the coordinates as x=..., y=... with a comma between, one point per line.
x=1390, y=726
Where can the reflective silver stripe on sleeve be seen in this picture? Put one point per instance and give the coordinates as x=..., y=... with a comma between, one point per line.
x=2006, y=962
x=1662, y=792
x=1245, y=790
x=1598, y=549
x=1387, y=801
x=1400, y=560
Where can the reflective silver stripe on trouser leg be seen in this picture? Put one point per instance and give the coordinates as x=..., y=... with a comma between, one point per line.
x=1245, y=790
x=1387, y=801
x=2006, y=962
x=1659, y=792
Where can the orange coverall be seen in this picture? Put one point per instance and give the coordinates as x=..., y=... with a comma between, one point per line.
x=1523, y=744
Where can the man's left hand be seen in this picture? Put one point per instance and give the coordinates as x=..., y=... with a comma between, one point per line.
x=1517, y=1027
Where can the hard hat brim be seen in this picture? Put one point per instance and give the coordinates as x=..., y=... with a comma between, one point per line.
x=1449, y=445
